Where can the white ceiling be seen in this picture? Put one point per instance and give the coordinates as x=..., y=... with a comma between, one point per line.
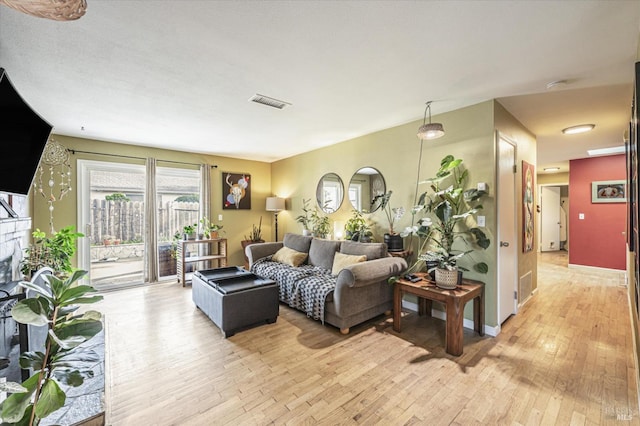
x=178, y=74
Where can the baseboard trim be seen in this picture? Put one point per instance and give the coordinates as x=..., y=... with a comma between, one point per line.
x=595, y=268
x=466, y=323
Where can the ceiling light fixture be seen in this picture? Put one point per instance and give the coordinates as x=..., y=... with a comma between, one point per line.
x=429, y=131
x=581, y=128
x=551, y=169
x=58, y=10
x=556, y=83
x=606, y=151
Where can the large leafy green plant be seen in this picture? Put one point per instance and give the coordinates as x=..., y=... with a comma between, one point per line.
x=55, y=252
x=450, y=206
x=62, y=361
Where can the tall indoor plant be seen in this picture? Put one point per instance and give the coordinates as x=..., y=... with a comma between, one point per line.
x=63, y=361
x=450, y=208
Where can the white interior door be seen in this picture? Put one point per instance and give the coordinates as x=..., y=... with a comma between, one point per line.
x=549, y=218
x=507, y=241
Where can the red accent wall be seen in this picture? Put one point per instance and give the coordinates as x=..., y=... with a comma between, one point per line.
x=598, y=239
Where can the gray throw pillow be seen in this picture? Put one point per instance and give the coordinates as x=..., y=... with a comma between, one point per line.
x=297, y=242
x=371, y=250
x=321, y=253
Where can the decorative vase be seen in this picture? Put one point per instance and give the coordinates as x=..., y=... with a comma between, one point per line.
x=306, y=232
x=394, y=242
x=446, y=279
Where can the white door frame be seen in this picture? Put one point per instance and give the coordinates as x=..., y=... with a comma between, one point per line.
x=84, y=210
x=513, y=241
x=538, y=218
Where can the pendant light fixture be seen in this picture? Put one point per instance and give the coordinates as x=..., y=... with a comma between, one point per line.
x=429, y=131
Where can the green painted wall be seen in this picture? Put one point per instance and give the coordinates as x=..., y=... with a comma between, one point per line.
x=236, y=223
x=470, y=134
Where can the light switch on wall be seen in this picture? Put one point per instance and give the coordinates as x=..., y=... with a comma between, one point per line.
x=481, y=221
x=581, y=216
x=219, y=217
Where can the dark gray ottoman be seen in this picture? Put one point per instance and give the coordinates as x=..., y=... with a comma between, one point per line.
x=234, y=298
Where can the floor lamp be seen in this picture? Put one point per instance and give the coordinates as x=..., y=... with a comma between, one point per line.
x=275, y=204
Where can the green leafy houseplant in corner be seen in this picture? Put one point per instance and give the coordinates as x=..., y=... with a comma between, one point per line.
x=62, y=361
x=451, y=208
x=55, y=252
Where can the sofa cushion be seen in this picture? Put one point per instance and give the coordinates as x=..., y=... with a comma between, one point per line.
x=297, y=242
x=321, y=253
x=341, y=261
x=289, y=256
x=371, y=250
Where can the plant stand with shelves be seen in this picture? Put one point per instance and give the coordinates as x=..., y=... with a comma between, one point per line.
x=209, y=251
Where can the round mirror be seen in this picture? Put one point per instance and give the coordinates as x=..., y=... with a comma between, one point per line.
x=365, y=185
x=330, y=192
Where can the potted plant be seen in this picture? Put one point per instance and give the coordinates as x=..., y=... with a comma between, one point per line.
x=209, y=230
x=305, y=218
x=320, y=224
x=357, y=228
x=451, y=207
x=189, y=232
x=392, y=239
x=55, y=252
x=254, y=237
x=62, y=360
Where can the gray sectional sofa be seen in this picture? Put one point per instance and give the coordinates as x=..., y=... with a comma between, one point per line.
x=350, y=295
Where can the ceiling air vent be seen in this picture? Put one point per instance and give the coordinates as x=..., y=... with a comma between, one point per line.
x=266, y=100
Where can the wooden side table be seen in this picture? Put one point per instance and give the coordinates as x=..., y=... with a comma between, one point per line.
x=454, y=301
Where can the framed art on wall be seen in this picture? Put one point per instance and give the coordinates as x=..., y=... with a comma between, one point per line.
x=236, y=191
x=609, y=191
x=528, y=173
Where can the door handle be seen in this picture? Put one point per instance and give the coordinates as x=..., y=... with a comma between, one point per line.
x=504, y=244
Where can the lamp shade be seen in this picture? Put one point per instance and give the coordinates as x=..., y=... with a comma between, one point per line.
x=275, y=204
x=430, y=131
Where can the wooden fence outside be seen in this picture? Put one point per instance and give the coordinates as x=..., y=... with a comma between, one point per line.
x=115, y=222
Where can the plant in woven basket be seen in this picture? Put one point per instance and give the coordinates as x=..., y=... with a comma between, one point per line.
x=63, y=360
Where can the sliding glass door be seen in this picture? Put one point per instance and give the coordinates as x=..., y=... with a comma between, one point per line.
x=112, y=215
x=178, y=205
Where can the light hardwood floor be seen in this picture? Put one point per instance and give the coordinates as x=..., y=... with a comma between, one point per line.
x=566, y=358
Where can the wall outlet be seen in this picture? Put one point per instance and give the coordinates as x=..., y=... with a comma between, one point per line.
x=581, y=216
x=481, y=221
x=482, y=186
x=219, y=217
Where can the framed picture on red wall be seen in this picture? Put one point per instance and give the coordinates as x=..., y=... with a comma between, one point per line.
x=609, y=191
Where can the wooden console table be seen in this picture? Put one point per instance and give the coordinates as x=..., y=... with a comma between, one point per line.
x=217, y=250
x=454, y=301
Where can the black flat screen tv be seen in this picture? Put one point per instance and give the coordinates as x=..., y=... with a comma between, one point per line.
x=23, y=136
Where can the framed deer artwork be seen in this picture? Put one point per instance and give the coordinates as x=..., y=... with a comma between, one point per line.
x=236, y=191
